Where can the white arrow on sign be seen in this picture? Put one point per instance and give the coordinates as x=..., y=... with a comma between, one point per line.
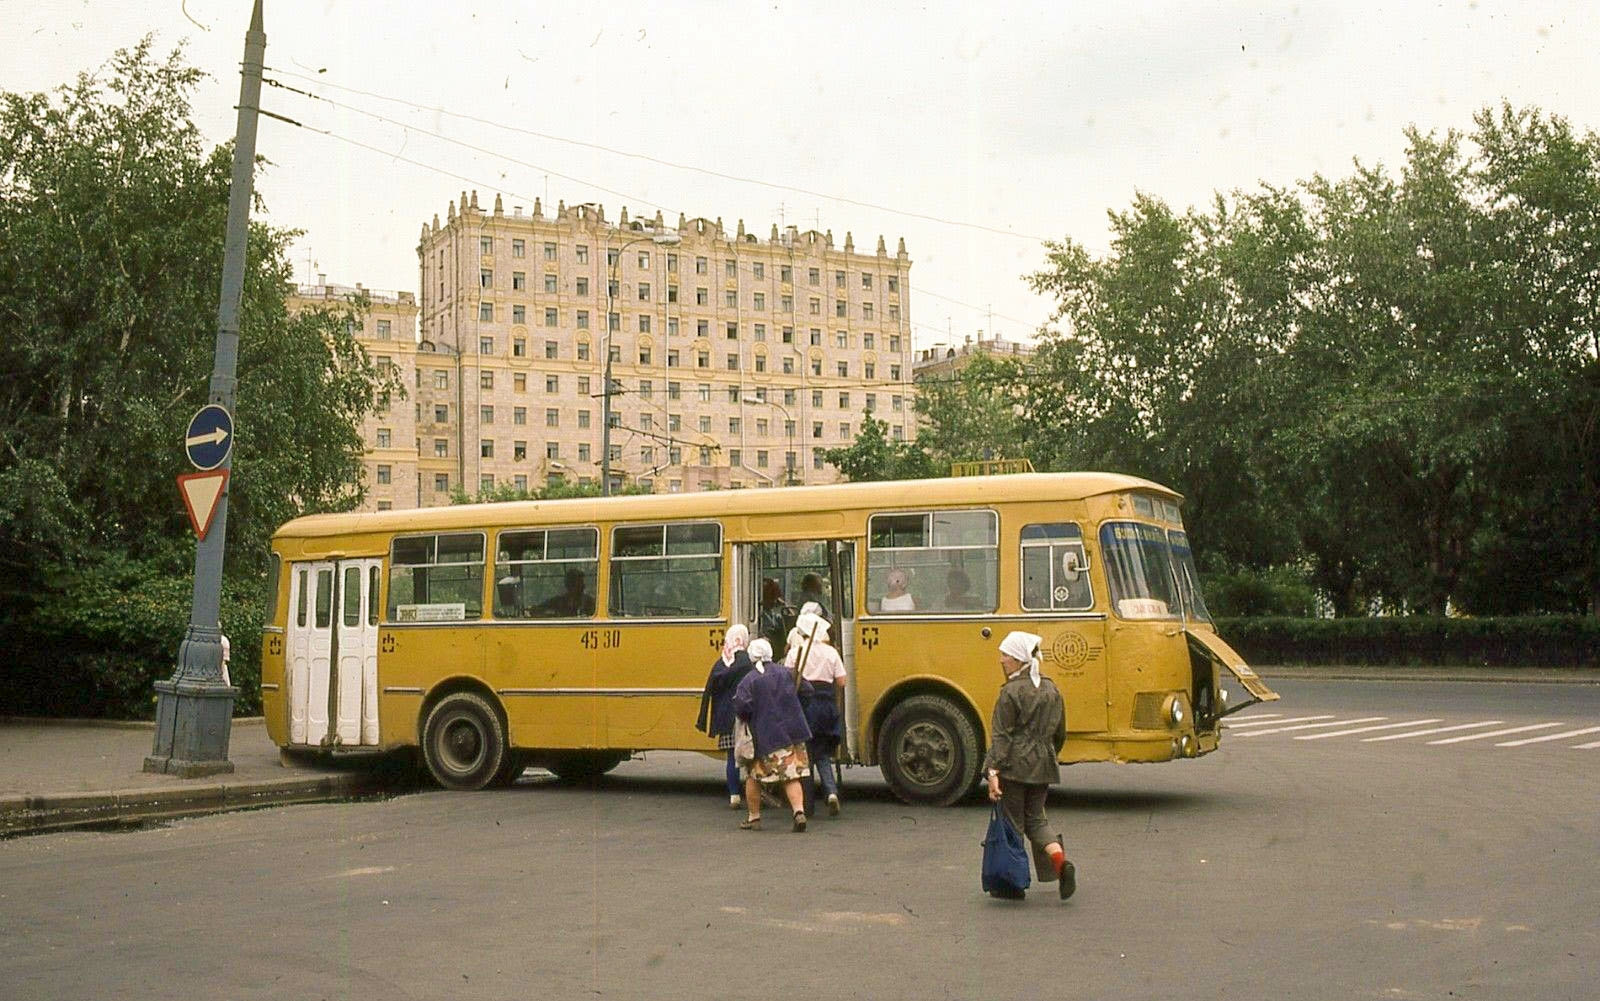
x=215, y=436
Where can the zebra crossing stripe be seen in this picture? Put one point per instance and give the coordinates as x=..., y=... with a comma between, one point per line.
x=1549, y=736
x=1366, y=729
x=1311, y=726
x=1277, y=722
x=1424, y=733
x=1585, y=747
x=1496, y=733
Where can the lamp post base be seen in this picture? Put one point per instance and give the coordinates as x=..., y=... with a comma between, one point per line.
x=194, y=721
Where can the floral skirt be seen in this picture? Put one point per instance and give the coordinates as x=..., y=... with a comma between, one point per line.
x=786, y=764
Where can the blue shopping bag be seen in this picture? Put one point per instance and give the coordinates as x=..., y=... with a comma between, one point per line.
x=1005, y=858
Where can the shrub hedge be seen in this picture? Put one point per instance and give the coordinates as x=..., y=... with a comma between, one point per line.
x=1520, y=641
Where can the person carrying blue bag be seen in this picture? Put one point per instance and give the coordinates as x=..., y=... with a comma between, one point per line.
x=1028, y=729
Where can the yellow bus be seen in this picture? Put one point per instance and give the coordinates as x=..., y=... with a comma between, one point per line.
x=572, y=633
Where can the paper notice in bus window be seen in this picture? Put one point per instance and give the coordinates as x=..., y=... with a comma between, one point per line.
x=444, y=611
x=1211, y=644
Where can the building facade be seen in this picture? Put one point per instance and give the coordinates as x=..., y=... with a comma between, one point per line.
x=735, y=361
x=389, y=334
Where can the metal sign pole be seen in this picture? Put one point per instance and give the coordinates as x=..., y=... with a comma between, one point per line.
x=194, y=708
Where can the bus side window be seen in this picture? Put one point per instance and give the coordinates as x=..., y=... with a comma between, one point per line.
x=436, y=578
x=666, y=571
x=936, y=561
x=546, y=573
x=1055, y=569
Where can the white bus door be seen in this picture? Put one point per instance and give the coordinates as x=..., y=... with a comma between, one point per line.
x=355, y=646
x=310, y=651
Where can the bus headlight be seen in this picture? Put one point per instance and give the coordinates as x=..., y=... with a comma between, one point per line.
x=1176, y=711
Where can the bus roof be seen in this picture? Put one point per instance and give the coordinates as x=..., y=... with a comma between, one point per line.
x=976, y=490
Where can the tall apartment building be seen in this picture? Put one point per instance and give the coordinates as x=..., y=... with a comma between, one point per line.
x=735, y=360
x=389, y=333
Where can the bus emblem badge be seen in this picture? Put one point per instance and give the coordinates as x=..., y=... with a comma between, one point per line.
x=1069, y=650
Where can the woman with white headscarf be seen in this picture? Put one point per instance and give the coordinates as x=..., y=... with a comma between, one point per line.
x=766, y=702
x=822, y=678
x=726, y=672
x=1029, y=727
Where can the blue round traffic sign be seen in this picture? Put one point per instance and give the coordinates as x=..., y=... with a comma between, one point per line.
x=209, y=439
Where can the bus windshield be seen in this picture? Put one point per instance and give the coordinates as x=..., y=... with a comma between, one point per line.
x=1139, y=570
x=1151, y=572
x=1194, y=605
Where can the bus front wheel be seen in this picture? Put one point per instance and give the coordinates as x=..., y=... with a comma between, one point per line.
x=928, y=750
x=464, y=742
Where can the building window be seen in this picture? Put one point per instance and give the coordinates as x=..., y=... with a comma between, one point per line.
x=788, y=365
x=385, y=436
x=702, y=297
x=552, y=417
x=702, y=328
x=672, y=293
x=485, y=278
x=894, y=372
x=838, y=279
x=647, y=454
x=519, y=281
x=866, y=311
x=674, y=390
x=869, y=370
x=672, y=326
x=486, y=415
x=894, y=284
x=814, y=276
x=552, y=450
x=549, y=251
x=786, y=303
x=644, y=325
x=583, y=253
x=644, y=291
x=519, y=415
x=844, y=401
x=674, y=423
x=788, y=397
x=844, y=430
x=441, y=483
x=552, y=383
x=761, y=332
x=672, y=264
x=441, y=413
x=761, y=363
x=485, y=380
x=550, y=316
x=583, y=385
x=581, y=286
x=702, y=359
x=699, y=265
x=894, y=312
x=486, y=345
x=816, y=399
x=612, y=257
x=552, y=349
x=519, y=349
x=550, y=284
x=704, y=391
x=788, y=335
x=520, y=483
x=486, y=245
x=646, y=390
x=839, y=308
x=644, y=353
x=383, y=330
x=816, y=337
x=844, y=370
x=672, y=358
x=441, y=448
x=385, y=476
x=486, y=312
x=816, y=429
x=519, y=315
x=583, y=418
x=705, y=424
x=583, y=319
x=519, y=450
x=733, y=331
x=735, y=458
x=816, y=306
x=841, y=340
x=486, y=448
x=583, y=451
x=518, y=248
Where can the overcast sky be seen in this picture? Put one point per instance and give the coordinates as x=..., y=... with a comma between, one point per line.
x=973, y=130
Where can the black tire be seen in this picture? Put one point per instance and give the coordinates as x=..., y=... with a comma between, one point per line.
x=584, y=766
x=464, y=742
x=928, y=751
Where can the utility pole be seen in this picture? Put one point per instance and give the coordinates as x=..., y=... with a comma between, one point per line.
x=194, y=708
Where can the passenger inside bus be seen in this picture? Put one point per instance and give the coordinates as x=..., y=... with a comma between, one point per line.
x=897, y=598
x=811, y=590
x=958, y=592
x=573, y=601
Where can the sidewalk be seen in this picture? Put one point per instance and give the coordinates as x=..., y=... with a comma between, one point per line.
x=58, y=774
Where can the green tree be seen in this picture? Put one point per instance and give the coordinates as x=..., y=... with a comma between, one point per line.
x=973, y=413
x=111, y=228
x=872, y=456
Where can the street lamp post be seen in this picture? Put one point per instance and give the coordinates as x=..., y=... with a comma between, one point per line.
x=788, y=427
x=667, y=239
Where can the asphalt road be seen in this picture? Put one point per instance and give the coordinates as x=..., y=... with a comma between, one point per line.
x=1337, y=867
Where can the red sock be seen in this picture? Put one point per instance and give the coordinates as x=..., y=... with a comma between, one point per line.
x=1058, y=858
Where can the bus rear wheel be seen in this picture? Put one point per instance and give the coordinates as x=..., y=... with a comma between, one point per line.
x=928, y=750
x=464, y=742
x=584, y=766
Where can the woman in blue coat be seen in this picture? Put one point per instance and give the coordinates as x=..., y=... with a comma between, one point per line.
x=726, y=673
x=766, y=701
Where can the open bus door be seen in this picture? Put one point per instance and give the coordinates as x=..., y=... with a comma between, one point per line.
x=767, y=588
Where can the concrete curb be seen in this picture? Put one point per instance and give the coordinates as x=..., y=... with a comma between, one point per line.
x=33, y=814
x=1468, y=673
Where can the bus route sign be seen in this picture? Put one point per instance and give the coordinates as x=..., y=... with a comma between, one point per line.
x=209, y=439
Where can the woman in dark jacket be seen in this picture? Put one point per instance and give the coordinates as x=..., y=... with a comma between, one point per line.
x=767, y=703
x=726, y=673
x=1029, y=727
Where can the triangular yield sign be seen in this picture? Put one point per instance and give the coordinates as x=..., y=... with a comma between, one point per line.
x=201, y=492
